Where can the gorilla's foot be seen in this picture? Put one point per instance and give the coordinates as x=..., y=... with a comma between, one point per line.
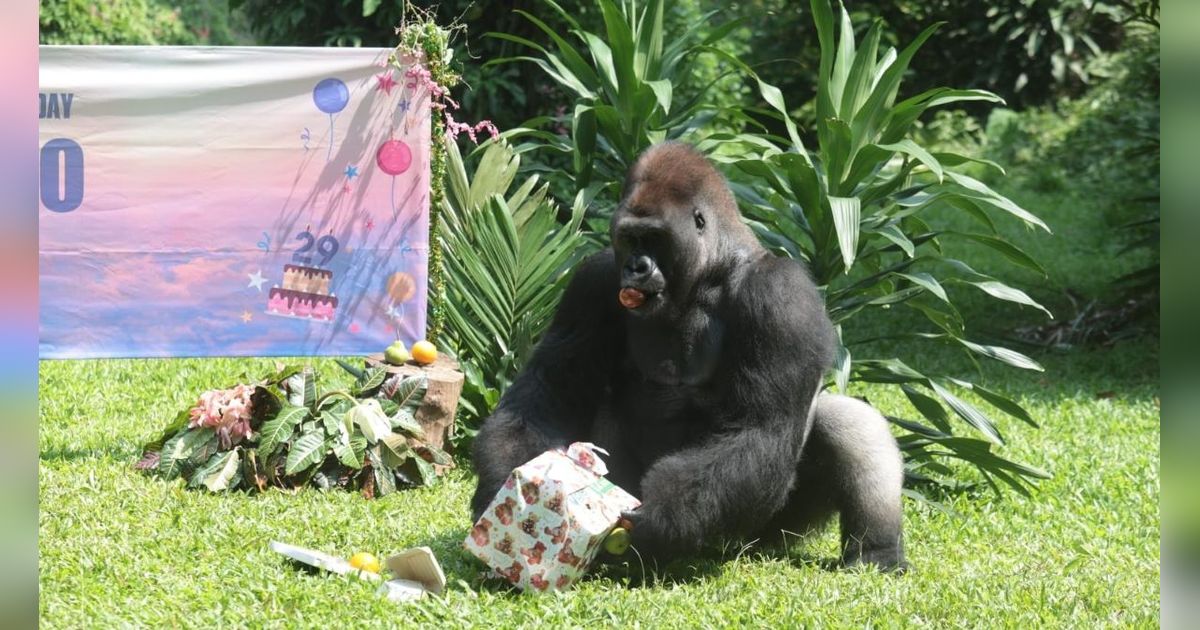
x=886, y=558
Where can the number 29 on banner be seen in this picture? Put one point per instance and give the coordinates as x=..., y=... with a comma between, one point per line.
x=61, y=175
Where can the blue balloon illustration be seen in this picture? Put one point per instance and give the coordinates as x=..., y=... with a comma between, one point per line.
x=331, y=96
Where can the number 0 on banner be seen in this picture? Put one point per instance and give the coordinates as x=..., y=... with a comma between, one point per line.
x=192, y=206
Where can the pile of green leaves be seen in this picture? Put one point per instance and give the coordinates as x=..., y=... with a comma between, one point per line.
x=363, y=438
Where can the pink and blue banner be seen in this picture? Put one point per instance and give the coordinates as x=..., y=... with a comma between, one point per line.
x=232, y=201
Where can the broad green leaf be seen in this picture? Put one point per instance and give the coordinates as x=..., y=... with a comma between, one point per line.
x=180, y=422
x=928, y=407
x=927, y=282
x=1010, y=251
x=911, y=149
x=860, y=79
x=843, y=60
x=371, y=380
x=1011, y=357
x=968, y=412
x=1005, y=404
x=841, y=367
x=583, y=131
x=846, y=220
x=279, y=429
x=351, y=453
x=335, y=426
x=437, y=455
x=385, y=480
x=221, y=475
x=1005, y=292
x=370, y=6
x=178, y=449
x=404, y=420
x=986, y=194
x=893, y=233
x=395, y=450
x=310, y=387
x=308, y=450
x=410, y=392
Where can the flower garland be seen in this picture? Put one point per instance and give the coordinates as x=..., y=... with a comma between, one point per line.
x=424, y=40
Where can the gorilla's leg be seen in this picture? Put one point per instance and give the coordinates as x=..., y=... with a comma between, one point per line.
x=850, y=465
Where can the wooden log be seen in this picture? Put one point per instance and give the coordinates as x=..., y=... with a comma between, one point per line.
x=436, y=413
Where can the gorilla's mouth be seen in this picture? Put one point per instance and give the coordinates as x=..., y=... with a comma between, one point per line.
x=634, y=298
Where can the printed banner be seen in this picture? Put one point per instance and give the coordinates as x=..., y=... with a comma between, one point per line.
x=233, y=201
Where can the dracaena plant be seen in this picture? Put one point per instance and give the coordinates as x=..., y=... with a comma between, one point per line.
x=507, y=263
x=625, y=82
x=857, y=207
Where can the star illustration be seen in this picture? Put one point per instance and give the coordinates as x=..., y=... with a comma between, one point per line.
x=351, y=171
x=370, y=223
x=354, y=328
x=256, y=280
x=346, y=187
x=392, y=312
x=247, y=316
x=402, y=106
x=386, y=82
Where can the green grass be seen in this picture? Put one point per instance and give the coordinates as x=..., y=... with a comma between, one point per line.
x=119, y=548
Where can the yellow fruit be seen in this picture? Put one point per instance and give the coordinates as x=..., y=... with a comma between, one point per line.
x=364, y=561
x=424, y=352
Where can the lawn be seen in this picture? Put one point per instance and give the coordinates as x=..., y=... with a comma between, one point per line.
x=118, y=548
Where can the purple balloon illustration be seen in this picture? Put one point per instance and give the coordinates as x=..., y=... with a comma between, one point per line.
x=331, y=96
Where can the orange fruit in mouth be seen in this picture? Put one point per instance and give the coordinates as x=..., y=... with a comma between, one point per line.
x=631, y=298
x=424, y=352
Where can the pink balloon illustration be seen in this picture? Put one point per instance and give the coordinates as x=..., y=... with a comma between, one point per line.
x=394, y=157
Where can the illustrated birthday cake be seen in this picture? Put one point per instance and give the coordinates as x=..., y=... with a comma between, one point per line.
x=305, y=293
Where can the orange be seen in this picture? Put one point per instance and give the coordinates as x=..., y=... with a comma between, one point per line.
x=424, y=352
x=364, y=561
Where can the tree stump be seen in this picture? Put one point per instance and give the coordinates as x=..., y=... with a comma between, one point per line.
x=436, y=414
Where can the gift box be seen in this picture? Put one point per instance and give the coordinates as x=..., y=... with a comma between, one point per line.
x=549, y=519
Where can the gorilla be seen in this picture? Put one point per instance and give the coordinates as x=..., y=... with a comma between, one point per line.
x=696, y=358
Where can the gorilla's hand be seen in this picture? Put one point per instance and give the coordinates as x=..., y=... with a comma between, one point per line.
x=652, y=534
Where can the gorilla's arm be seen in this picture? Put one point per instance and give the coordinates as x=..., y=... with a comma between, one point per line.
x=780, y=343
x=554, y=400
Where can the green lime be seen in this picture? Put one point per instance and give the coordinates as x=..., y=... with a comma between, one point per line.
x=396, y=354
x=617, y=542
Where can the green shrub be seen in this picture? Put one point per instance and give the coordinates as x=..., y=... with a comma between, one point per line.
x=507, y=263
x=625, y=83
x=111, y=22
x=856, y=210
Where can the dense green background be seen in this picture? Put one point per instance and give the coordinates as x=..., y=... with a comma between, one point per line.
x=1079, y=135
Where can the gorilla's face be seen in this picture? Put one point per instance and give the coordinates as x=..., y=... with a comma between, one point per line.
x=662, y=240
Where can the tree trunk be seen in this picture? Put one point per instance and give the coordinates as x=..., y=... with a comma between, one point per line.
x=436, y=413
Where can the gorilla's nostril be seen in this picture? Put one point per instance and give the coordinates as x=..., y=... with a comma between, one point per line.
x=639, y=266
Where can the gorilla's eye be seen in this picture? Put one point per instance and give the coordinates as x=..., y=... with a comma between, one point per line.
x=699, y=219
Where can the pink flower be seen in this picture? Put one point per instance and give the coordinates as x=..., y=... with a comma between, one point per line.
x=227, y=411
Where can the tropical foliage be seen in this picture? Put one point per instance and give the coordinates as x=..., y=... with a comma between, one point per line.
x=507, y=262
x=285, y=431
x=855, y=210
x=624, y=83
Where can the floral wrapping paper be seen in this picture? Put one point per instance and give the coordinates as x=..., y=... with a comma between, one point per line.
x=549, y=519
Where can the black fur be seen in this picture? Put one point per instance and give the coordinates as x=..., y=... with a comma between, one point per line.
x=702, y=395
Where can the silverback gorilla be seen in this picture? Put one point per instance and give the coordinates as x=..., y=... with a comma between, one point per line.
x=695, y=357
